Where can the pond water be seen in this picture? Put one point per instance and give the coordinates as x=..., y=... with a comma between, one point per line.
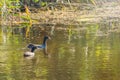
x=74, y=54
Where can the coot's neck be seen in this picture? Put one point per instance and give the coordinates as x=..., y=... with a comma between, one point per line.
x=44, y=42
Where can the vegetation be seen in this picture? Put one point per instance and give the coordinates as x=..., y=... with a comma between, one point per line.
x=20, y=11
x=57, y=12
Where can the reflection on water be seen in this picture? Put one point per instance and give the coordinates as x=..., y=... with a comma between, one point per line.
x=79, y=56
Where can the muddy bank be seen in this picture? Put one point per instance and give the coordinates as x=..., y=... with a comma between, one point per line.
x=74, y=14
x=88, y=14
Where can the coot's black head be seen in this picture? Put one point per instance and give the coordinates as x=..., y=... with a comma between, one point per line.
x=46, y=37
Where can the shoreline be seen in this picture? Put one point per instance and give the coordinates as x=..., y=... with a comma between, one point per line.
x=76, y=16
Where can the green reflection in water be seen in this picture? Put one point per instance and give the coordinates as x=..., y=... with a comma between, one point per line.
x=88, y=57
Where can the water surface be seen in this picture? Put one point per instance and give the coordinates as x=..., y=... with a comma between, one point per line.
x=73, y=55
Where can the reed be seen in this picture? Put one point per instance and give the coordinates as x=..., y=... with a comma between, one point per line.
x=28, y=14
x=93, y=1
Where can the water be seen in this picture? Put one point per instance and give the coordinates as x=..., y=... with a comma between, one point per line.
x=74, y=54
